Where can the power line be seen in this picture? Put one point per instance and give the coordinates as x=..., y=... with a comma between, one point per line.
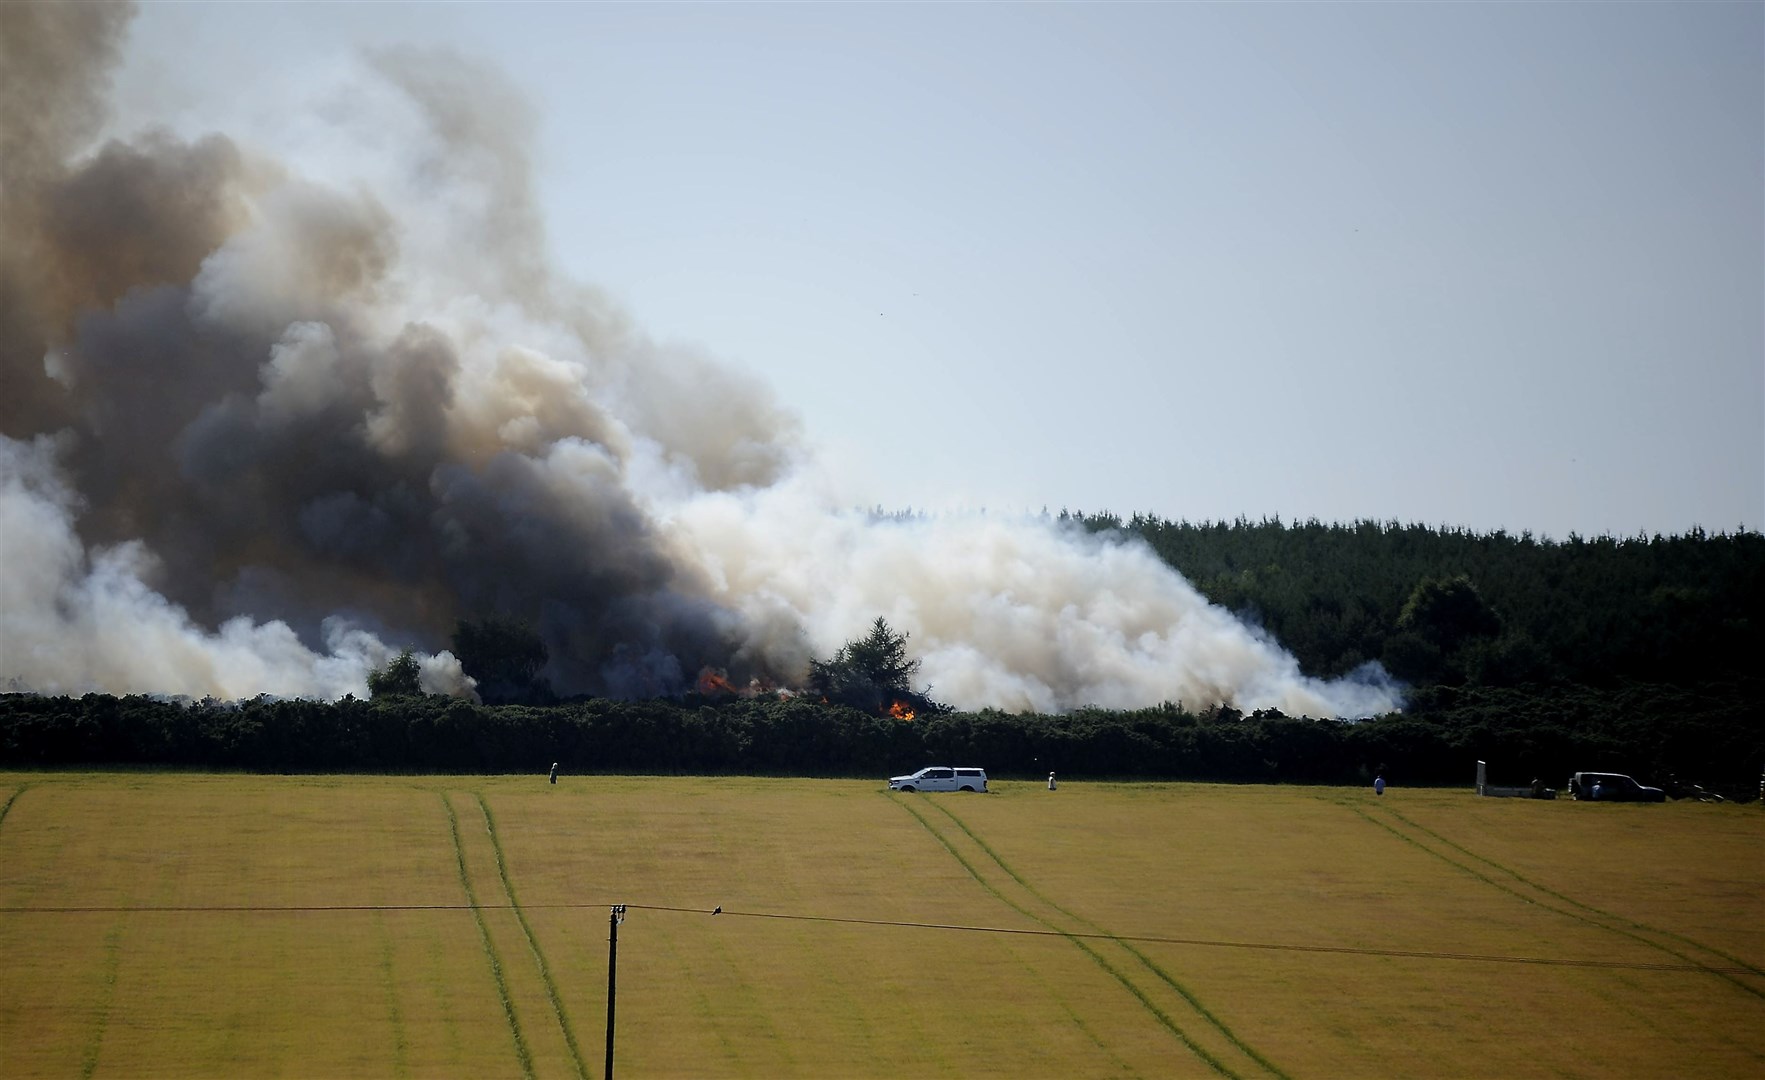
x=1264, y=946
x=1218, y=944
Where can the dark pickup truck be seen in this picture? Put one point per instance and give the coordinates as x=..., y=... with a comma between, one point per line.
x=1611, y=787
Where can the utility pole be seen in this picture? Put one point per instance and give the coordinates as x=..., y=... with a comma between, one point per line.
x=614, y=918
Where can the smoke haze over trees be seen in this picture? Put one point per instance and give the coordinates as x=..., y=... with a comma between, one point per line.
x=269, y=409
x=504, y=658
x=1461, y=608
x=1667, y=687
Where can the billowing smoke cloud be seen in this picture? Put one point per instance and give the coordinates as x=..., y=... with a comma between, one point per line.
x=269, y=417
x=1013, y=613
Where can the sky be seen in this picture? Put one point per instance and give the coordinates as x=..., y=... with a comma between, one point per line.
x=1491, y=266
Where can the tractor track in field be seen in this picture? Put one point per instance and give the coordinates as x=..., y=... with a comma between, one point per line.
x=1600, y=913
x=545, y=974
x=106, y=996
x=107, y=974
x=6, y=807
x=401, y=1045
x=1164, y=976
x=1529, y=891
x=1093, y=940
x=522, y=1053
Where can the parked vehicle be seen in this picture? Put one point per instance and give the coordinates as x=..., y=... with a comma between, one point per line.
x=1611, y=787
x=941, y=778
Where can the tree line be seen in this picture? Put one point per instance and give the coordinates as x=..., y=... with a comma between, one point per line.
x=1455, y=607
x=1541, y=657
x=1709, y=734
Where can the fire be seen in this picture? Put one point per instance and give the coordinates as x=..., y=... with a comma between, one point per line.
x=900, y=710
x=714, y=682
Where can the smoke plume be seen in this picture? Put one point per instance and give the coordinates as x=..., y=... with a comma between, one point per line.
x=270, y=416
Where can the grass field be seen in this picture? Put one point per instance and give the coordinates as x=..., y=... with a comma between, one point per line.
x=191, y=925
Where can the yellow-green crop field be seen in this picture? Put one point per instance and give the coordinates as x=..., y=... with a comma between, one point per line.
x=189, y=925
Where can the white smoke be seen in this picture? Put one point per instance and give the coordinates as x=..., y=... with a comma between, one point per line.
x=340, y=398
x=74, y=620
x=1021, y=614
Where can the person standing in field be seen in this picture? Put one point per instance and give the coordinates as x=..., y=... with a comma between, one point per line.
x=554, y=772
x=1051, y=784
x=1379, y=784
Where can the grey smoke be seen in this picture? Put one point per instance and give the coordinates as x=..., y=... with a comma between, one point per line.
x=270, y=419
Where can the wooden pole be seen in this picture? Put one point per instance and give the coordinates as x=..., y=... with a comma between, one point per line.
x=614, y=918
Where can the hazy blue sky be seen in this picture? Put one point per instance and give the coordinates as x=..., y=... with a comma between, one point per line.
x=1493, y=265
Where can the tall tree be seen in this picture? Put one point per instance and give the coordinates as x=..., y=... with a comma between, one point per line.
x=505, y=656
x=1448, y=612
x=401, y=677
x=870, y=673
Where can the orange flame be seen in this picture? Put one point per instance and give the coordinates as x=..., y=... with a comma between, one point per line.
x=900, y=710
x=713, y=682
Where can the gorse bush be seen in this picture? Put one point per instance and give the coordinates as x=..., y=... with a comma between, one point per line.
x=1709, y=734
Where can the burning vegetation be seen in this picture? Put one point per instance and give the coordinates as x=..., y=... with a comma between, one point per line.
x=872, y=674
x=715, y=682
x=712, y=683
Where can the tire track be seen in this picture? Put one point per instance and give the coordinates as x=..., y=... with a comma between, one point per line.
x=1164, y=976
x=757, y=1019
x=113, y=952
x=1077, y=1021
x=6, y=807
x=1605, y=923
x=496, y=964
x=1601, y=913
x=1164, y=1018
x=401, y=1050
x=545, y=974
x=109, y=966
x=699, y=1005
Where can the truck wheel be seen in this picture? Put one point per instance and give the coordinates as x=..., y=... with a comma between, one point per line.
x=965, y=787
x=906, y=787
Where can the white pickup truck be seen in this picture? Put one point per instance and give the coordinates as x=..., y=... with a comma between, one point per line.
x=941, y=778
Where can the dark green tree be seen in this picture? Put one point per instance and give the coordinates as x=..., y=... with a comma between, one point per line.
x=401, y=677
x=505, y=656
x=870, y=673
x=1448, y=612
x=1443, y=632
